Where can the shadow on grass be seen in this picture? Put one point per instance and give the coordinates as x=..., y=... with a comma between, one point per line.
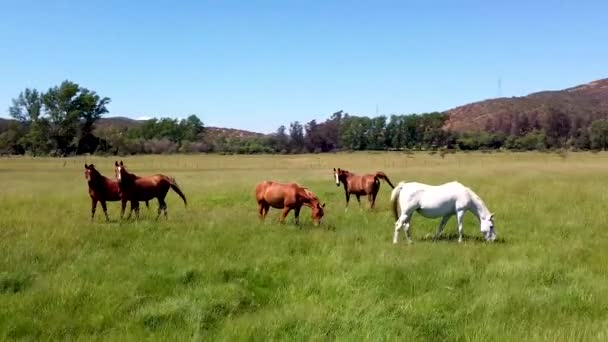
x=465, y=238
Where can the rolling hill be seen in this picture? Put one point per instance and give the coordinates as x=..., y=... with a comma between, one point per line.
x=581, y=104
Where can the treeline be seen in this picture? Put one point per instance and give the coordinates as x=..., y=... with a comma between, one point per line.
x=63, y=121
x=424, y=132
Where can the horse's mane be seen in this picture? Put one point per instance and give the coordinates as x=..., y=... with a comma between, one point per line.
x=309, y=194
x=477, y=199
x=97, y=177
x=129, y=176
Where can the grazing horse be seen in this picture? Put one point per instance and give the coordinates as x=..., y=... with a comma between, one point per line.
x=287, y=196
x=102, y=189
x=439, y=201
x=135, y=188
x=360, y=185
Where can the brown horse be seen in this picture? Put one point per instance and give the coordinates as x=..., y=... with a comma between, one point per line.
x=135, y=188
x=287, y=196
x=360, y=185
x=102, y=189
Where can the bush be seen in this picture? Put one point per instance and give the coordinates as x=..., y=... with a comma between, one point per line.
x=160, y=146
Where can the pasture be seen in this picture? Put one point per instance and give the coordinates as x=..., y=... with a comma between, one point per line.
x=212, y=271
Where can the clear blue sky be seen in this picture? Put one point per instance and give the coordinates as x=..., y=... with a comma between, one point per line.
x=258, y=64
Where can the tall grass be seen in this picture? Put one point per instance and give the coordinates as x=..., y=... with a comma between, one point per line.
x=213, y=271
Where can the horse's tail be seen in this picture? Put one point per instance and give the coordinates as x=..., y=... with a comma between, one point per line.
x=382, y=175
x=177, y=190
x=395, y=200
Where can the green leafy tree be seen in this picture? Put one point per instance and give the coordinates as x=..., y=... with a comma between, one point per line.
x=73, y=111
x=598, y=134
x=35, y=137
x=296, y=137
x=192, y=128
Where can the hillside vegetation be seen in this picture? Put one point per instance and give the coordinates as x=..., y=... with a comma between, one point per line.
x=56, y=123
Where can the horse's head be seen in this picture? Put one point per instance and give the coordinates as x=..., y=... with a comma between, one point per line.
x=90, y=173
x=317, y=213
x=87, y=172
x=119, y=170
x=340, y=176
x=486, y=225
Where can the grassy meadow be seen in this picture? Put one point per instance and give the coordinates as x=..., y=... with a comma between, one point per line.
x=212, y=271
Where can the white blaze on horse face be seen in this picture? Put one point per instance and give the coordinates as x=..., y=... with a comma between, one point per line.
x=337, y=179
x=118, y=175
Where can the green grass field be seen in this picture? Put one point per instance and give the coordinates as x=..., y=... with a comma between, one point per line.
x=212, y=271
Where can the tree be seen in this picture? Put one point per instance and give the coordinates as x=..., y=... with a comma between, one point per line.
x=10, y=139
x=312, y=140
x=598, y=134
x=558, y=128
x=281, y=140
x=73, y=111
x=376, y=134
x=34, y=133
x=296, y=136
x=193, y=127
x=27, y=106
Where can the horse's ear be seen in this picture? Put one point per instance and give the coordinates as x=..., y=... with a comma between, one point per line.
x=323, y=205
x=491, y=216
x=121, y=164
x=115, y=163
x=86, y=166
x=334, y=169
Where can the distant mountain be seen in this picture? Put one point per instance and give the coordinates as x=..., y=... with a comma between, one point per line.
x=581, y=104
x=118, y=122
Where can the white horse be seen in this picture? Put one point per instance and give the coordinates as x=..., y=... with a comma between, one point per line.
x=439, y=201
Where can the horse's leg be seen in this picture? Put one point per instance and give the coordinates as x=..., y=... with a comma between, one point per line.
x=130, y=211
x=398, y=225
x=261, y=211
x=407, y=228
x=358, y=200
x=372, y=199
x=123, y=205
x=265, y=209
x=460, y=216
x=105, y=210
x=284, y=214
x=403, y=221
x=162, y=207
x=135, y=206
x=347, y=195
x=93, y=207
x=444, y=220
x=297, y=214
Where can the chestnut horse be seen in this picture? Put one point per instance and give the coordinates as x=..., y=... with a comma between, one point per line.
x=287, y=196
x=135, y=188
x=102, y=189
x=360, y=185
